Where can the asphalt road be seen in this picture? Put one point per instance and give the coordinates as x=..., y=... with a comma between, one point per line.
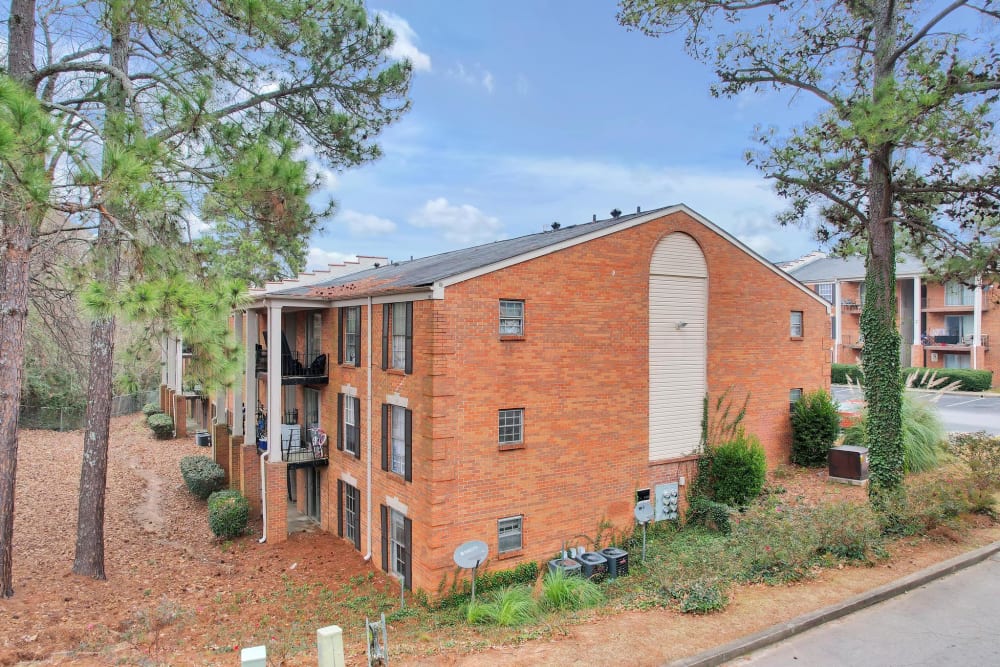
x=958, y=413
x=950, y=621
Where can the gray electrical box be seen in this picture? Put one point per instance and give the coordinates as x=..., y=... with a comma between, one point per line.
x=666, y=502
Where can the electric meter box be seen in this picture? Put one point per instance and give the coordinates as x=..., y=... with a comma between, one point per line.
x=667, y=502
x=848, y=462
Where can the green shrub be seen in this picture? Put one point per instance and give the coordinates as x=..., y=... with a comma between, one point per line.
x=774, y=543
x=506, y=607
x=151, y=409
x=562, y=591
x=739, y=468
x=202, y=475
x=929, y=503
x=971, y=380
x=698, y=597
x=815, y=427
x=162, y=425
x=708, y=513
x=924, y=437
x=846, y=530
x=981, y=453
x=458, y=592
x=228, y=514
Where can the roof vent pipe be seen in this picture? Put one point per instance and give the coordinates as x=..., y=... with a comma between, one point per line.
x=638, y=209
x=595, y=218
x=615, y=213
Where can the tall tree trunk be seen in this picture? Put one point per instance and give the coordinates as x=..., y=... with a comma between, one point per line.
x=89, y=558
x=883, y=390
x=17, y=240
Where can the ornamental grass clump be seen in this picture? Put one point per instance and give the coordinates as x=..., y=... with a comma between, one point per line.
x=228, y=514
x=924, y=437
x=506, y=607
x=815, y=427
x=566, y=592
x=202, y=475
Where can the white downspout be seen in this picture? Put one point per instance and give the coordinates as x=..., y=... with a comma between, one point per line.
x=368, y=469
x=263, y=494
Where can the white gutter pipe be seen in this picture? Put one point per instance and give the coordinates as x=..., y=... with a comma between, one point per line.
x=368, y=468
x=263, y=492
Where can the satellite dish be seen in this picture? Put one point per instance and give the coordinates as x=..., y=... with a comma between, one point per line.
x=470, y=554
x=643, y=511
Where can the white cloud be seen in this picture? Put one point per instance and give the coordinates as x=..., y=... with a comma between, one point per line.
x=328, y=179
x=462, y=223
x=521, y=85
x=319, y=258
x=475, y=75
x=405, y=47
x=365, y=224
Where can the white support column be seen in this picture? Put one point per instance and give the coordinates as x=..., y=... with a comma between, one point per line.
x=164, y=360
x=250, y=428
x=241, y=379
x=274, y=383
x=977, y=322
x=170, y=359
x=179, y=365
x=838, y=320
x=918, y=311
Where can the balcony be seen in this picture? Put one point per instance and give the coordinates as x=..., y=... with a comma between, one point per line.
x=299, y=447
x=953, y=343
x=851, y=306
x=297, y=368
x=854, y=342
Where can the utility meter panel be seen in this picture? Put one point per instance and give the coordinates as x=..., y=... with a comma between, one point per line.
x=666, y=502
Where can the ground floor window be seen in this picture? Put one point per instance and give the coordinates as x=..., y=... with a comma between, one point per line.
x=957, y=361
x=509, y=534
x=349, y=512
x=397, y=545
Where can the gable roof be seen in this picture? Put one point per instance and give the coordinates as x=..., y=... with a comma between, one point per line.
x=452, y=267
x=828, y=269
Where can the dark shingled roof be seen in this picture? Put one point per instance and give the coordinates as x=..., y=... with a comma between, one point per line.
x=409, y=275
x=850, y=268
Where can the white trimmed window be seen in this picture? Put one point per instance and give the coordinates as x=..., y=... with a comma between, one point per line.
x=397, y=457
x=825, y=290
x=350, y=325
x=398, y=556
x=399, y=335
x=957, y=361
x=511, y=426
x=352, y=430
x=795, y=328
x=957, y=294
x=511, y=317
x=509, y=534
x=794, y=396
x=352, y=514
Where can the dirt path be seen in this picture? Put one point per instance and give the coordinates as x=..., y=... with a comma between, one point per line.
x=149, y=513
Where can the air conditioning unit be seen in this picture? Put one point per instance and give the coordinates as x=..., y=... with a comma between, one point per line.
x=848, y=463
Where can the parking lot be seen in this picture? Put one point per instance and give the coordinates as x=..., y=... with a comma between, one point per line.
x=959, y=412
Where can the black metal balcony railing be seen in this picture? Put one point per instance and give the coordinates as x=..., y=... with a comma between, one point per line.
x=297, y=368
x=312, y=446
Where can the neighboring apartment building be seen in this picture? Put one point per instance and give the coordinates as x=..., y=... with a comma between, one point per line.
x=942, y=325
x=519, y=392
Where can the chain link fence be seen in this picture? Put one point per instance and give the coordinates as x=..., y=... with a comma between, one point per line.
x=73, y=418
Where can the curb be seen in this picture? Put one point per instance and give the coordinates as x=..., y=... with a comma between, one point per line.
x=920, y=390
x=782, y=631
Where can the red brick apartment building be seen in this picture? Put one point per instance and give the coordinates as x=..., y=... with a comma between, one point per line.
x=519, y=392
x=942, y=325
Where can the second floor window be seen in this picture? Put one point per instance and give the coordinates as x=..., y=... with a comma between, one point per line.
x=511, y=426
x=796, y=324
x=825, y=290
x=397, y=440
x=349, y=435
x=397, y=336
x=511, y=318
x=350, y=336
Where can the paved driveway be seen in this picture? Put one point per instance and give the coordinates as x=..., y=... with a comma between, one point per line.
x=958, y=413
x=950, y=621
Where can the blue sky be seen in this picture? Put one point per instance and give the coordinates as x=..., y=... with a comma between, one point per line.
x=525, y=113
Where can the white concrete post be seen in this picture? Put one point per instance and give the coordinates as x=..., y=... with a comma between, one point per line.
x=330, y=645
x=838, y=315
x=977, y=321
x=248, y=351
x=918, y=309
x=179, y=365
x=250, y=428
x=274, y=383
x=164, y=360
x=253, y=656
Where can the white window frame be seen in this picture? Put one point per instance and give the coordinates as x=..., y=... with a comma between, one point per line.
x=352, y=516
x=825, y=290
x=511, y=317
x=352, y=413
x=957, y=294
x=351, y=342
x=963, y=361
x=397, y=439
x=397, y=543
x=510, y=426
x=397, y=334
x=509, y=529
x=794, y=396
x=796, y=328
